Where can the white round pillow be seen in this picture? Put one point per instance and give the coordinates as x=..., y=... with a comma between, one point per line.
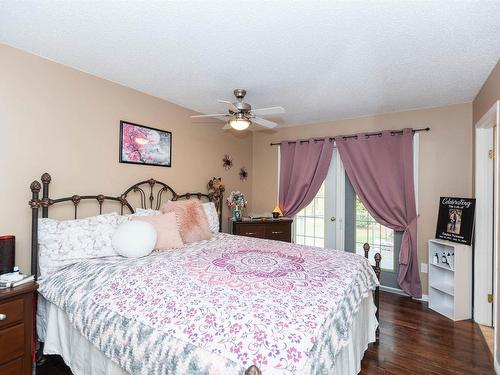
x=134, y=239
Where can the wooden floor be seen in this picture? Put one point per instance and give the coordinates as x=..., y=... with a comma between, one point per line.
x=413, y=340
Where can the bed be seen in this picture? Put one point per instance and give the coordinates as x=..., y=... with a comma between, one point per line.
x=228, y=305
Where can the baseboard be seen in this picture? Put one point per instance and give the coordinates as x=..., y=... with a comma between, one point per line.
x=389, y=289
x=497, y=366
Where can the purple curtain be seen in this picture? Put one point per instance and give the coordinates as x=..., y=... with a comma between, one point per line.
x=380, y=169
x=303, y=168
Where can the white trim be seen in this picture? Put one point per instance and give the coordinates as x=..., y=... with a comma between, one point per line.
x=483, y=236
x=400, y=292
x=340, y=204
x=497, y=366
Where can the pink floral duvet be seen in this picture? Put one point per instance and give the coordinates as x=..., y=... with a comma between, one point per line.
x=218, y=306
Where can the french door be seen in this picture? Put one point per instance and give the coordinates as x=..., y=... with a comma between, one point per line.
x=337, y=219
x=321, y=223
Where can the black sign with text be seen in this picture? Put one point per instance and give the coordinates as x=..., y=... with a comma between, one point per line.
x=456, y=219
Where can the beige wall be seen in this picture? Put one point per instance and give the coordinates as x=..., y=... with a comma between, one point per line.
x=488, y=95
x=57, y=119
x=445, y=158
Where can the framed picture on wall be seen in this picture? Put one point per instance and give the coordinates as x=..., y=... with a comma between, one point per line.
x=141, y=144
x=456, y=219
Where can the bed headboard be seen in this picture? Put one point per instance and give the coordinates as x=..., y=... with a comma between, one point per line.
x=149, y=194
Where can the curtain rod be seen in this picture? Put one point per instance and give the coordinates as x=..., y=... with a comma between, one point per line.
x=355, y=136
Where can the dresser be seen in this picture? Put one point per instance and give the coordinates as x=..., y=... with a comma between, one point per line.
x=271, y=229
x=16, y=329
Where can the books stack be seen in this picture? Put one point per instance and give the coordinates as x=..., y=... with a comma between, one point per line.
x=13, y=279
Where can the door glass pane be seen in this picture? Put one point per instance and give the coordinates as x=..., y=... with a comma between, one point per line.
x=310, y=222
x=380, y=238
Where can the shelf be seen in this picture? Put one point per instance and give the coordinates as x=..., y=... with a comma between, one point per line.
x=448, y=289
x=443, y=267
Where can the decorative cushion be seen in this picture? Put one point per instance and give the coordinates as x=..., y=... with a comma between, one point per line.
x=191, y=219
x=66, y=242
x=212, y=216
x=167, y=232
x=134, y=239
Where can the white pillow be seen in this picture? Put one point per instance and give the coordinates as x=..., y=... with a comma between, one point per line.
x=134, y=239
x=61, y=243
x=146, y=212
x=212, y=216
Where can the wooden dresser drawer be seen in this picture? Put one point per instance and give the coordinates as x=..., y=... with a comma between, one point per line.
x=13, y=311
x=250, y=230
x=12, y=368
x=279, y=231
x=11, y=343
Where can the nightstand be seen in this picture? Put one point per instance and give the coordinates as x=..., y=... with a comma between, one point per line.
x=16, y=329
x=270, y=229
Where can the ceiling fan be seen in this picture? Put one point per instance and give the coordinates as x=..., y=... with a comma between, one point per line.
x=240, y=114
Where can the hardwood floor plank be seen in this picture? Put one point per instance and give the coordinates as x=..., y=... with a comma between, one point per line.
x=414, y=340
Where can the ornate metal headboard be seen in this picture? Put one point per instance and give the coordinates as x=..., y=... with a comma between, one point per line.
x=150, y=193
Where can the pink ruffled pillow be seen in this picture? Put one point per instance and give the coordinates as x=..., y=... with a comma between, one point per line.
x=191, y=219
x=167, y=232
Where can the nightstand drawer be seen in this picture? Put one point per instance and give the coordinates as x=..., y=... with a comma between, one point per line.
x=279, y=232
x=12, y=368
x=250, y=230
x=11, y=343
x=13, y=312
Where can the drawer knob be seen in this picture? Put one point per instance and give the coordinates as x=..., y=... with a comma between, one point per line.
x=3, y=316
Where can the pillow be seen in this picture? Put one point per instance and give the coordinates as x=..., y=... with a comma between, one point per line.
x=146, y=212
x=212, y=216
x=191, y=220
x=61, y=243
x=167, y=233
x=134, y=239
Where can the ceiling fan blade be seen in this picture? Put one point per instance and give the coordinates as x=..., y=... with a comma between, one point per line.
x=268, y=111
x=231, y=106
x=264, y=123
x=212, y=115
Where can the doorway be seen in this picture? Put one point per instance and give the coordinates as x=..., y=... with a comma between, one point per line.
x=484, y=235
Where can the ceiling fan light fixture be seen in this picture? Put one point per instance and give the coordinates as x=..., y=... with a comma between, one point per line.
x=239, y=122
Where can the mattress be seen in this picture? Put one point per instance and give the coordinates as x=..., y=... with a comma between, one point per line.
x=217, y=306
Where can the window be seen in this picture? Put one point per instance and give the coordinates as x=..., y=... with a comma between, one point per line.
x=380, y=238
x=310, y=222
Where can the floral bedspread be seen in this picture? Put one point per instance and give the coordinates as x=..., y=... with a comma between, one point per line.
x=218, y=306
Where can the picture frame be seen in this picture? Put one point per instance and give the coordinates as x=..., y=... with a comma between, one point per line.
x=456, y=219
x=144, y=145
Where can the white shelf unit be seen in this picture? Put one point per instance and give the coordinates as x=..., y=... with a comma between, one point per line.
x=450, y=281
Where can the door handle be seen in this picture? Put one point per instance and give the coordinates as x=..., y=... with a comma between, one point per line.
x=333, y=218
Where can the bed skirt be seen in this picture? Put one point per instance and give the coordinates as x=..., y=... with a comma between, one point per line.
x=83, y=358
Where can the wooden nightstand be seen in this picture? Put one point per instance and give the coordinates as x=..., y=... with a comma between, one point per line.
x=16, y=329
x=270, y=229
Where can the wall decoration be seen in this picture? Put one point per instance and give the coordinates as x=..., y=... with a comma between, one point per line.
x=215, y=188
x=141, y=144
x=227, y=162
x=456, y=219
x=243, y=174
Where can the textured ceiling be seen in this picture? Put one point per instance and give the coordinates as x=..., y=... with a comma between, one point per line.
x=319, y=60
